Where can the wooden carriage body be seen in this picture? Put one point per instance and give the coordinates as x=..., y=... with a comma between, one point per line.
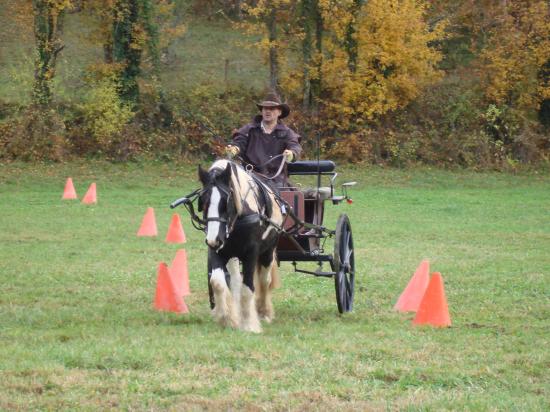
x=308, y=206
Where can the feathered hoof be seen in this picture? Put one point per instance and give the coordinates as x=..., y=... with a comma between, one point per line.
x=228, y=322
x=225, y=314
x=248, y=327
x=266, y=318
x=224, y=320
x=265, y=311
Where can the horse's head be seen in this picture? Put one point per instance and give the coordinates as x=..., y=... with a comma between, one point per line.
x=217, y=204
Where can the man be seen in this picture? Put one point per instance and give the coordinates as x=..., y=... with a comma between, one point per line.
x=265, y=137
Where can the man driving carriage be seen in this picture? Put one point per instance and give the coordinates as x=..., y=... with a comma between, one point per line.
x=267, y=137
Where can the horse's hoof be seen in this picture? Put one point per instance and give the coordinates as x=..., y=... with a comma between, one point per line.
x=227, y=323
x=266, y=318
x=253, y=329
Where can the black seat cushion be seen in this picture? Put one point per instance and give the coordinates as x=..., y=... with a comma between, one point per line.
x=310, y=167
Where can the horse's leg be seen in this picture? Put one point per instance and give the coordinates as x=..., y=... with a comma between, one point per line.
x=224, y=310
x=249, y=314
x=266, y=266
x=236, y=283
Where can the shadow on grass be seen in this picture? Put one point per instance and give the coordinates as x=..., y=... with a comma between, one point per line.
x=164, y=318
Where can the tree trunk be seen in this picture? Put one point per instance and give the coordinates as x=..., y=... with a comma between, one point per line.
x=317, y=82
x=350, y=42
x=153, y=44
x=313, y=37
x=126, y=17
x=271, y=23
x=108, y=51
x=47, y=28
x=544, y=109
x=239, y=9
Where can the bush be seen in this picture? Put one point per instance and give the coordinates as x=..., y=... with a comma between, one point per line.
x=34, y=134
x=105, y=118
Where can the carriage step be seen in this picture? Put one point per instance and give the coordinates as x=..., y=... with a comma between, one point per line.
x=318, y=273
x=325, y=274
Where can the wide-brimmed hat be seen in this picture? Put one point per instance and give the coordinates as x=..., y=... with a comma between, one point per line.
x=273, y=100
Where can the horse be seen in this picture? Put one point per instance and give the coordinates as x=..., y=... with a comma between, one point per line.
x=243, y=219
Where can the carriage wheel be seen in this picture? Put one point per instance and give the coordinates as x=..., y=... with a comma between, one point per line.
x=344, y=265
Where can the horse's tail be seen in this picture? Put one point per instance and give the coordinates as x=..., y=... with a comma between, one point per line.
x=275, y=278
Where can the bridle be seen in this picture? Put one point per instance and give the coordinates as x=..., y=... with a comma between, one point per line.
x=230, y=210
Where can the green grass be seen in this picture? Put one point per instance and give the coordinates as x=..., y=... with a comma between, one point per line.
x=77, y=328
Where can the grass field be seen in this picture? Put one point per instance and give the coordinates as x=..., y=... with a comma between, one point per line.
x=78, y=332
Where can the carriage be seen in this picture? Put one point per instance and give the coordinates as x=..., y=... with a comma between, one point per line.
x=302, y=235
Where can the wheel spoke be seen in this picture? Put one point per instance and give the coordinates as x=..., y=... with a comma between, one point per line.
x=349, y=296
x=347, y=258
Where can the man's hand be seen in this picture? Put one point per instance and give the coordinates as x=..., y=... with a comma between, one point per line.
x=231, y=151
x=289, y=155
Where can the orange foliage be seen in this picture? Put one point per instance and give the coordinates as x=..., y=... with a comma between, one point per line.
x=394, y=58
x=518, y=48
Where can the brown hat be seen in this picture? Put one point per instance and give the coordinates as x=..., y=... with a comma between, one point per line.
x=273, y=100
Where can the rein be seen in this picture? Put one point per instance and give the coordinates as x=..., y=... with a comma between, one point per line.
x=250, y=168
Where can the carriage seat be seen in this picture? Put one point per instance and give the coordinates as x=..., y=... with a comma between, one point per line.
x=311, y=193
x=310, y=167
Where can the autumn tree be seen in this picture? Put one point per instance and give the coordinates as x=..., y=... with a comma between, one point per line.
x=127, y=29
x=271, y=18
x=514, y=62
x=289, y=26
x=48, y=27
x=388, y=62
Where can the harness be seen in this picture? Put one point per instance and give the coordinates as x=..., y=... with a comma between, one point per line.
x=262, y=198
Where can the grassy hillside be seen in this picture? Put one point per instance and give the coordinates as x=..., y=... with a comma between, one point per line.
x=78, y=330
x=210, y=53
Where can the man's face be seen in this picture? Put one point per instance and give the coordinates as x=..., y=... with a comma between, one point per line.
x=270, y=114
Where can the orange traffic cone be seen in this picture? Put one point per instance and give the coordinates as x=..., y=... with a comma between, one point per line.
x=148, y=224
x=166, y=298
x=410, y=299
x=433, y=309
x=179, y=272
x=175, y=231
x=91, y=195
x=69, y=192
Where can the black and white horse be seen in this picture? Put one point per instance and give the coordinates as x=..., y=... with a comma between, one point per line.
x=243, y=224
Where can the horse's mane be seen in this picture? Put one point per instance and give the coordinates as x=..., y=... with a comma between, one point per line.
x=241, y=184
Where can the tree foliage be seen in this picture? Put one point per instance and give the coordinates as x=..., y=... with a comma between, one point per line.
x=360, y=59
x=515, y=55
x=391, y=58
x=385, y=80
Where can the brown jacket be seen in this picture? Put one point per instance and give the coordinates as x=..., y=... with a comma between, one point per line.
x=256, y=147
